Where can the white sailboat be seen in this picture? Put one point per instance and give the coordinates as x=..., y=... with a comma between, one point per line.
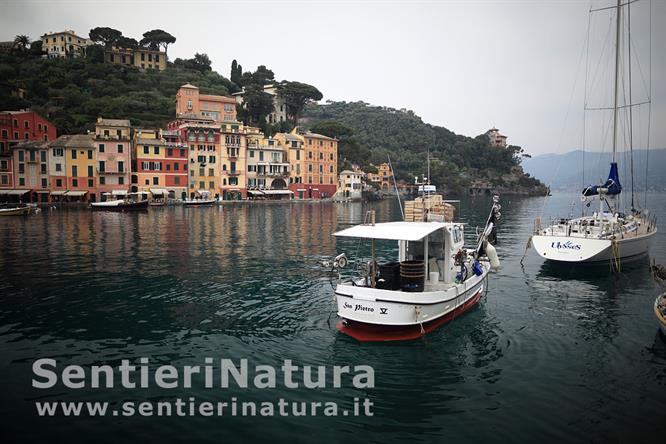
x=609, y=234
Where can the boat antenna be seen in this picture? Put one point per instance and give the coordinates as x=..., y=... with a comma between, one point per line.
x=395, y=184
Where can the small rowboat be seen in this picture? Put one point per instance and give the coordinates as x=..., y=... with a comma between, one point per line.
x=199, y=202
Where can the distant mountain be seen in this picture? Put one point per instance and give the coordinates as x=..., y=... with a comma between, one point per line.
x=565, y=171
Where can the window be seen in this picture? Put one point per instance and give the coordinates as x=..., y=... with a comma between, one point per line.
x=74, y=171
x=5, y=180
x=90, y=154
x=202, y=184
x=58, y=167
x=156, y=180
x=102, y=166
x=43, y=168
x=16, y=136
x=119, y=134
x=21, y=156
x=202, y=171
x=321, y=169
x=58, y=152
x=21, y=168
x=26, y=136
x=169, y=152
x=90, y=171
x=251, y=153
x=121, y=149
x=4, y=134
x=22, y=181
x=309, y=154
x=101, y=147
x=147, y=181
x=330, y=156
x=156, y=150
x=15, y=123
x=331, y=169
x=73, y=154
x=75, y=183
x=26, y=124
x=42, y=156
x=91, y=183
x=58, y=183
x=121, y=180
x=211, y=184
x=310, y=168
x=182, y=153
x=102, y=180
x=176, y=165
x=106, y=133
x=146, y=150
x=168, y=167
x=211, y=159
x=176, y=180
x=211, y=172
x=31, y=155
x=261, y=156
x=298, y=155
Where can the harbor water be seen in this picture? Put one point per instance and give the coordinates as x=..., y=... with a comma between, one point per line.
x=551, y=353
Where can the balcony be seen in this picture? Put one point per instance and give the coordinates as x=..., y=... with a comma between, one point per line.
x=111, y=137
x=109, y=171
x=232, y=173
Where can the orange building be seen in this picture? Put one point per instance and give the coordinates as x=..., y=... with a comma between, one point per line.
x=218, y=108
x=319, y=167
x=80, y=157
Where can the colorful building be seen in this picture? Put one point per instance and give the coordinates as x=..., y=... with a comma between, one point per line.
x=233, y=185
x=17, y=127
x=80, y=159
x=267, y=168
x=319, y=166
x=383, y=178
x=202, y=136
x=176, y=165
x=31, y=172
x=113, y=140
x=189, y=102
x=64, y=44
x=143, y=58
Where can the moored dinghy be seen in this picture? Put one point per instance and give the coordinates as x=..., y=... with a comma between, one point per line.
x=435, y=280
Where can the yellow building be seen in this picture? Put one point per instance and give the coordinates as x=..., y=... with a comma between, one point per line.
x=150, y=151
x=143, y=58
x=233, y=161
x=64, y=44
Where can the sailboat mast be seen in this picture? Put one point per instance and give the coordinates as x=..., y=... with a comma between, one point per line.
x=617, y=69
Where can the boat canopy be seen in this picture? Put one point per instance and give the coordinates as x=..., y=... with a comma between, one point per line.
x=612, y=184
x=119, y=192
x=407, y=231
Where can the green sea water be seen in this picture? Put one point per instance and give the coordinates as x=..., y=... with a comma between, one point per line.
x=551, y=354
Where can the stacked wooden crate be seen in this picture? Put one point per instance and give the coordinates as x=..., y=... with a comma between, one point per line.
x=433, y=205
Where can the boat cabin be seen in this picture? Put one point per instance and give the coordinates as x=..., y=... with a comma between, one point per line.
x=427, y=252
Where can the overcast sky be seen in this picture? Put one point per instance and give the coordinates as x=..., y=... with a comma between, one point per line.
x=464, y=65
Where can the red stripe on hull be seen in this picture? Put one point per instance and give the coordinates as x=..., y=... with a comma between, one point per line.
x=364, y=332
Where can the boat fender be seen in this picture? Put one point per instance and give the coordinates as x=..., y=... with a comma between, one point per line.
x=477, y=268
x=491, y=252
x=341, y=260
x=462, y=274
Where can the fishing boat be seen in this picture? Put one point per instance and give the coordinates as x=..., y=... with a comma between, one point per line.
x=434, y=280
x=660, y=311
x=122, y=205
x=610, y=233
x=15, y=211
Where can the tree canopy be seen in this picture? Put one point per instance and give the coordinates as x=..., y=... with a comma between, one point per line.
x=105, y=36
x=157, y=38
x=296, y=95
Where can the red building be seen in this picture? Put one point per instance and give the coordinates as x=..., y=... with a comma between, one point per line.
x=175, y=161
x=17, y=126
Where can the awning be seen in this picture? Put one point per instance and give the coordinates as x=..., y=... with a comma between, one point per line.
x=278, y=192
x=58, y=193
x=255, y=192
x=158, y=191
x=301, y=189
x=42, y=191
x=17, y=192
x=409, y=231
x=119, y=192
x=76, y=193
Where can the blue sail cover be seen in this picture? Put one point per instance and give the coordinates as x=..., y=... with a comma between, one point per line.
x=612, y=184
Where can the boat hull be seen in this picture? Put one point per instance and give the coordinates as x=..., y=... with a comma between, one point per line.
x=590, y=250
x=199, y=203
x=369, y=314
x=123, y=207
x=22, y=211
